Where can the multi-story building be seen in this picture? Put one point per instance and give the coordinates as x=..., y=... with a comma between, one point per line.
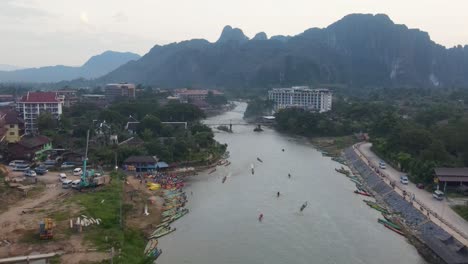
x=319, y=100
x=186, y=95
x=70, y=97
x=116, y=90
x=33, y=104
x=11, y=126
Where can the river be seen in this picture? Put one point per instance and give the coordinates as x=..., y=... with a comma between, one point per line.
x=222, y=226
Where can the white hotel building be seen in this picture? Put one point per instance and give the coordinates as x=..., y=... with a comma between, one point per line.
x=319, y=100
x=33, y=104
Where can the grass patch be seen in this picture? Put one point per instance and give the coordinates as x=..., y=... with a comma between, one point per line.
x=60, y=216
x=462, y=210
x=106, y=204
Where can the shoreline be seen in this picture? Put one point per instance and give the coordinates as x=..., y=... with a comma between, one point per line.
x=432, y=242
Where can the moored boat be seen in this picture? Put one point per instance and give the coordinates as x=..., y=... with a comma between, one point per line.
x=363, y=193
x=394, y=230
x=386, y=222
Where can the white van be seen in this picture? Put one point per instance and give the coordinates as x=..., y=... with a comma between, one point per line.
x=13, y=163
x=76, y=184
x=439, y=195
x=77, y=172
x=21, y=167
x=66, y=184
x=62, y=177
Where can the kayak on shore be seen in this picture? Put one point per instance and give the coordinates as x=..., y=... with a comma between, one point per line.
x=361, y=192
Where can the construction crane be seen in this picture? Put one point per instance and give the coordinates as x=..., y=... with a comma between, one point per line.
x=86, y=175
x=90, y=178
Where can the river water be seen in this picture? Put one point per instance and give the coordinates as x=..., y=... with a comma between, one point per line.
x=222, y=226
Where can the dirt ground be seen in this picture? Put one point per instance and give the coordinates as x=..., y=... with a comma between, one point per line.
x=138, y=195
x=19, y=222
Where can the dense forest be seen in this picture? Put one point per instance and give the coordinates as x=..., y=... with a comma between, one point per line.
x=416, y=129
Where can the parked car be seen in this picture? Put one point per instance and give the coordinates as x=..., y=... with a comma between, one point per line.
x=77, y=172
x=49, y=163
x=404, y=179
x=67, y=165
x=21, y=167
x=62, y=177
x=41, y=170
x=13, y=163
x=420, y=185
x=66, y=184
x=30, y=173
x=439, y=195
x=382, y=166
x=76, y=184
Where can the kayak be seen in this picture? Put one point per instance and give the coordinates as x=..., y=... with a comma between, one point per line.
x=363, y=193
x=383, y=222
x=394, y=230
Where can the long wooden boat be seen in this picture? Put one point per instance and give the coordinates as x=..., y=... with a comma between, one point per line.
x=394, y=230
x=385, y=222
x=363, y=193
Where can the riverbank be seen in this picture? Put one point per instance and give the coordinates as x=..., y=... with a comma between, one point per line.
x=433, y=243
x=333, y=146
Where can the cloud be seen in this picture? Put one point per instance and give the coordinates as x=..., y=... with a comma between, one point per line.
x=18, y=10
x=84, y=18
x=120, y=17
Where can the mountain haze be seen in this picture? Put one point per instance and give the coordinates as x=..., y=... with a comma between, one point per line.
x=95, y=67
x=358, y=50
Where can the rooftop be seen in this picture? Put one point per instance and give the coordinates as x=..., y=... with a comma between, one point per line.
x=40, y=97
x=141, y=159
x=452, y=174
x=199, y=92
x=33, y=142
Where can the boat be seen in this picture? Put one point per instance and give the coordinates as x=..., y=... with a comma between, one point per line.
x=151, y=245
x=162, y=224
x=259, y=159
x=163, y=232
x=343, y=171
x=155, y=253
x=252, y=168
x=227, y=164
x=356, y=181
x=394, y=230
x=378, y=208
x=211, y=171
x=383, y=222
x=179, y=215
x=363, y=193
x=224, y=179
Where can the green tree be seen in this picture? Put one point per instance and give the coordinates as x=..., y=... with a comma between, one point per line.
x=45, y=121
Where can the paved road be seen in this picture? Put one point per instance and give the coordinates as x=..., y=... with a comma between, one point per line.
x=441, y=208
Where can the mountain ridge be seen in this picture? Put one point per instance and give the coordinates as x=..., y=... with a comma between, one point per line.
x=94, y=67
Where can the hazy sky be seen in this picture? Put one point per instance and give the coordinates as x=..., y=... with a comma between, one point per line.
x=51, y=32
